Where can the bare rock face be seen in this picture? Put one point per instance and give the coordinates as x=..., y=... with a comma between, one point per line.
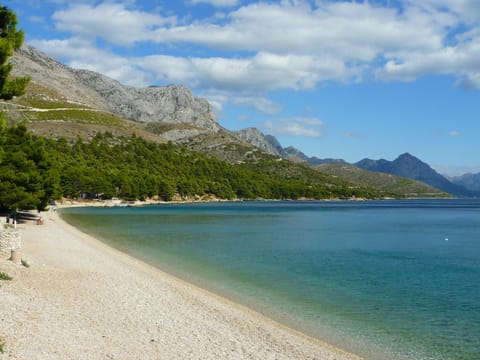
x=266, y=143
x=51, y=74
x=170, y=104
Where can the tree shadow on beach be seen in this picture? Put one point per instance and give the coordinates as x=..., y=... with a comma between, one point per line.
x=21, y=217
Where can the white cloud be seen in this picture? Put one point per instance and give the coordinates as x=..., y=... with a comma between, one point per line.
x=454, y=133
x=260, y=73
x=470, y=80
x=85, y=56
x=467, y=10
x=259, y=103
x=448, y=134
x=309, y=127
x=110, y=21
x=270, y=46
x=298, y=45
x=460, y=60
x=36, y=19
x=348, y=31
x=219, y=3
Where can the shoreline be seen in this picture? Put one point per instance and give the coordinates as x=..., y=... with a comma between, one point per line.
x=61, y=307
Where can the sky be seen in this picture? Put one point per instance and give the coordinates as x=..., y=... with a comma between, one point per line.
x=333, y=78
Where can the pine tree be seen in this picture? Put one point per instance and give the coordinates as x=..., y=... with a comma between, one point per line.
x=10, y=39
x=19, y=178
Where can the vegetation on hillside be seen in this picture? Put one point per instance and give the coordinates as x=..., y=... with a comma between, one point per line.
x=388, y=183
x=36, y=170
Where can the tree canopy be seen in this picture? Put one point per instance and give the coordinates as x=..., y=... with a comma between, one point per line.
x=131, y=168
x=17, y=188
x=10, y=40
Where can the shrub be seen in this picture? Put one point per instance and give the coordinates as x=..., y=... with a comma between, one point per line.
x=5, y=276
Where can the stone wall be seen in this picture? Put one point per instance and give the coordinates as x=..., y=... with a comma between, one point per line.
x=9, y=240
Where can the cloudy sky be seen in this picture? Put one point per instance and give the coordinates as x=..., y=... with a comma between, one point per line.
x=334, y=78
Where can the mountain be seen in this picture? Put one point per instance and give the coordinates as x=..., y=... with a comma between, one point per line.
x=468, y=181
x=295, y=155
x=411, y=167
x=388, y=183
x=271, y=145
x=172, y=105
x=328, y=161
x=276, y=144
x=266, y=143
x=70, y=103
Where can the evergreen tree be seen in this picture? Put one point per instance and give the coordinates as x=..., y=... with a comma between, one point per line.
x=19, y=178
x=10, y=40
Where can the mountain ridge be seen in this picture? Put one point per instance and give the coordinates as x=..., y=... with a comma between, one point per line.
x=408, y=166
x=339, y=167
x=266, y=143
x=469, y=181
x=171, y=104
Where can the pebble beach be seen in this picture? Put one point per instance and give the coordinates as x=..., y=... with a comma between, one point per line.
x=81, y=299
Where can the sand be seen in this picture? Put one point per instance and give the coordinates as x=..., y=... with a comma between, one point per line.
x=81, y=299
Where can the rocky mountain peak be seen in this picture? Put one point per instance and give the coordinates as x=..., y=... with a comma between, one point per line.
x=266, y=143
x=51, y=74
x=34, y=55
x=169, y=104
x=295, y=154
x=165, y=104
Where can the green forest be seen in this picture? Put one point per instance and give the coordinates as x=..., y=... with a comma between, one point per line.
x=35, y=170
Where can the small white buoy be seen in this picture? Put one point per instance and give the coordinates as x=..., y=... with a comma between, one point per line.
x=446, y=239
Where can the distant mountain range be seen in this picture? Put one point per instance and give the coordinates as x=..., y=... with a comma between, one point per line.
x=271, y=145
x=406, y=166
x=469, y=181
x=411, y=167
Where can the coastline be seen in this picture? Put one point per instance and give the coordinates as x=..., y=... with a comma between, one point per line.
x=85, y=300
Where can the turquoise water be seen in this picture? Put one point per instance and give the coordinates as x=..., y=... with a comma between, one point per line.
x=387, y=279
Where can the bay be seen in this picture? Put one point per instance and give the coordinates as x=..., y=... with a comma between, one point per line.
x=384, y=279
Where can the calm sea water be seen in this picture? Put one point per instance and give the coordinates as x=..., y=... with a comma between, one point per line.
x=386, y=279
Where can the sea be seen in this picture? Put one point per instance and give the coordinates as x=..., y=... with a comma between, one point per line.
x=390, y=279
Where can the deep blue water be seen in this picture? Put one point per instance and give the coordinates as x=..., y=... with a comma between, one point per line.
x=385, y=279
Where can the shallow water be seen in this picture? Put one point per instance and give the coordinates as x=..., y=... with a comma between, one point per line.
x=397, y=279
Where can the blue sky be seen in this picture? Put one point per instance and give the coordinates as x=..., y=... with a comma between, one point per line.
x=341, y=79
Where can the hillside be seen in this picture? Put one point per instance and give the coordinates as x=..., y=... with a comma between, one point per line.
x=65, y=102
x=132, y=168
x=388, y=183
